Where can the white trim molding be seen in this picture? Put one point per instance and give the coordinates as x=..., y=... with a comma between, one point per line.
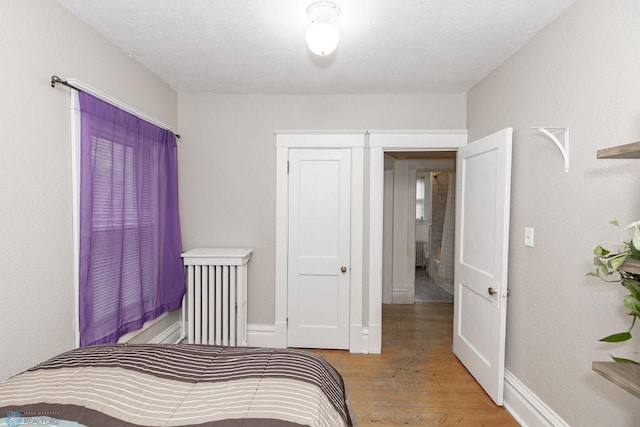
x=261, y=335
x=527, y=408
x=365, y=340
x=75, y=175
x=171, y=335
x=418, y=140
x=320, y=139
x=357, y=244
x=354, y=140
x=282, y=245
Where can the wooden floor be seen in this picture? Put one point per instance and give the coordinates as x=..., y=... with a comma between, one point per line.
x=416, y=380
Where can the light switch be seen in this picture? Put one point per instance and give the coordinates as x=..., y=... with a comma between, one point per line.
x=528, y=236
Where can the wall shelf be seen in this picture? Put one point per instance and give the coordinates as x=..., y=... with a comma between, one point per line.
x=624, y=375
x=626, y=151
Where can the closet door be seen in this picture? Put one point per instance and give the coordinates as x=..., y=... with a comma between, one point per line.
x=319, y=248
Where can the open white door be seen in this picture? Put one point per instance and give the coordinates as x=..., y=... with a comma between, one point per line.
x=482, y=249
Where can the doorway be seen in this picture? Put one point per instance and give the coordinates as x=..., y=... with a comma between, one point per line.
x=382, y=142
x=419, y=217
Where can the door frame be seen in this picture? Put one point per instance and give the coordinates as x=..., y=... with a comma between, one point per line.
x=286, y=140
x=379, y=142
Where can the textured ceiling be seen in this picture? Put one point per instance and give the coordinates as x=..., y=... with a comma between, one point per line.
x=257, y=46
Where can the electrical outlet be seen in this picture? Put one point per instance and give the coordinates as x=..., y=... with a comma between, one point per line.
x=528, y=236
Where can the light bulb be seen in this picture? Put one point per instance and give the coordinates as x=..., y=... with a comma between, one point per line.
x=322, y=38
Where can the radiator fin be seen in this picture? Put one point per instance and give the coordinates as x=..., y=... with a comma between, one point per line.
x=422, y=254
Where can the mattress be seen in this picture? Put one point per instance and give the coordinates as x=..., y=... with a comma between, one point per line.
x=178, y=385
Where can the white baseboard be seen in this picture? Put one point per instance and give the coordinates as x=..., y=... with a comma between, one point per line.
x=261, y=335
x=365, y=341
x=356, y=338
x=280, y=334
x=171, y=335
x=527, y=408
x=265, y=336
x=373, y=339
x=402, y=296
x=131, y=336
x=448, y=287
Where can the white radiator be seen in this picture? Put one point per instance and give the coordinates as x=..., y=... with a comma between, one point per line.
x=422, y=254
x=214, y=310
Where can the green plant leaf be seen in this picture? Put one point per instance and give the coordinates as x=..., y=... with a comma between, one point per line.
x=622, y=336
x=624, y=360
x=634, y=251
x=617, y=261
x=635, y=240
x=600, y=251
x=633, y=285
x=615, y=222
x=632, y=304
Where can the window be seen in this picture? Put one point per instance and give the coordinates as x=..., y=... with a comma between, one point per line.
x=130, y=269
x=420, y=187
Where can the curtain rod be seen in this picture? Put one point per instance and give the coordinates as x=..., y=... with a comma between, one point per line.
x=82, y=87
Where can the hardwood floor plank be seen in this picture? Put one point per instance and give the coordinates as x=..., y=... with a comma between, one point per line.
x=416, y=380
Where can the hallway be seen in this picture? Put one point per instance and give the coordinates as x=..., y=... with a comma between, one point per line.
x=427, y=290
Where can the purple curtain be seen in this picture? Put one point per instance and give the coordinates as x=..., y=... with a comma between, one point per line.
x=130, y=244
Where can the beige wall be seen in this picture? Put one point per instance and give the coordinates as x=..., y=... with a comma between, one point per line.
x=227, y=163
x=39, y=38
x=582, y=71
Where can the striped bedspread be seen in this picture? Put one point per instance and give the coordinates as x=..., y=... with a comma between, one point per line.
x=179, y=385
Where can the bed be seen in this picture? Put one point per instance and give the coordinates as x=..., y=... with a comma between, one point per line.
x=178, y=385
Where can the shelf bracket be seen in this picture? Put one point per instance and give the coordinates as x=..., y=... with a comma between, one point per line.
x=562, y=146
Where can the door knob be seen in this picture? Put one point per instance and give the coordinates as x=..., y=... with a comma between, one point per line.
x=343, y=268
x=492, y=291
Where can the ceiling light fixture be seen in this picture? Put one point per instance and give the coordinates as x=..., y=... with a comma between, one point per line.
x=323, y=35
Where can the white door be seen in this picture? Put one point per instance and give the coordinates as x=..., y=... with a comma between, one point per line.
x=482, y=246
x=319, y=247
